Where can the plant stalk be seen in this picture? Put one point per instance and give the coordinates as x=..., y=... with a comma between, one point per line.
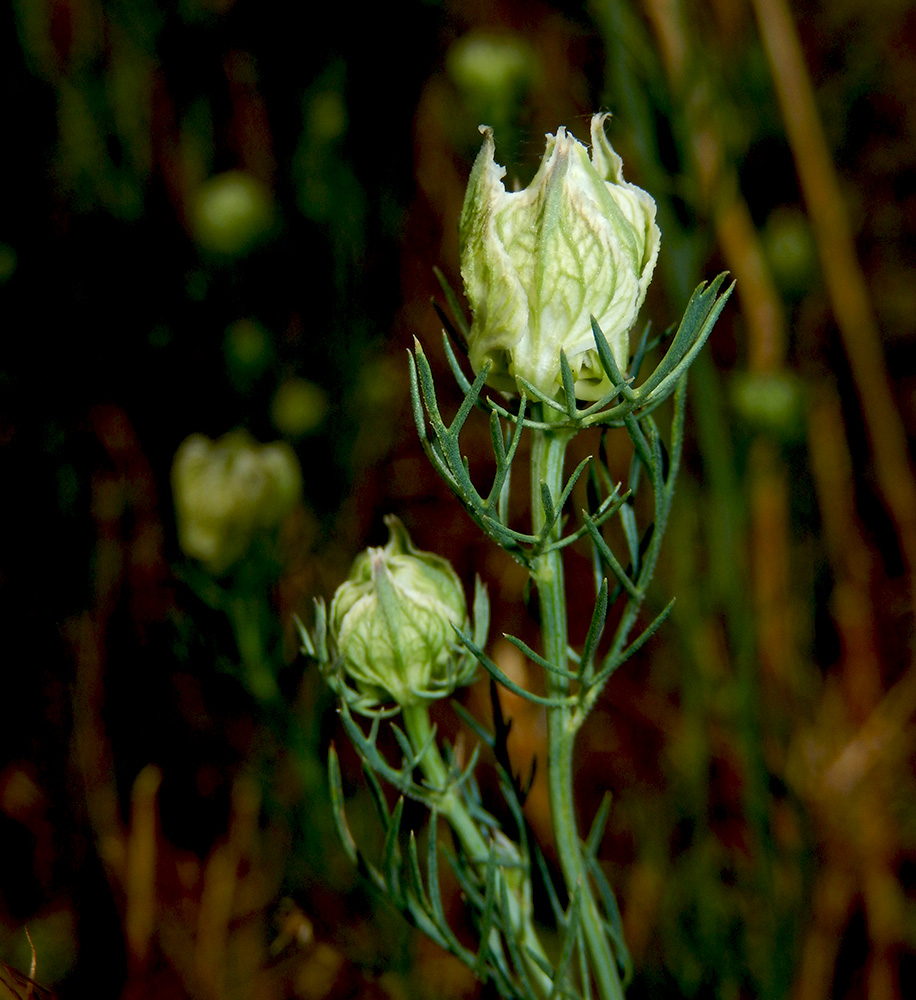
x=419, y=729
x=548, y=451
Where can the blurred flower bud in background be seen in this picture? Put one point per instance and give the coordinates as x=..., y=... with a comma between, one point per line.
x=791, y=251
x=231, y=213
x=770, y=402
x=299, y=407
x=493, y=74
x=537, y=263
x=248, y=351
x=229, y=490
x=392, y=622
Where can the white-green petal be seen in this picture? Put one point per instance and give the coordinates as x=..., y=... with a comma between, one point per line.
x=537, y=263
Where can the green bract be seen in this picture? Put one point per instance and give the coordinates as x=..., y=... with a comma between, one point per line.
x=577, y=242
x=392, y=623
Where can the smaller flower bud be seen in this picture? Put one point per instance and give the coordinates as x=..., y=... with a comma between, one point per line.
x=392, y=622
x=226, y=491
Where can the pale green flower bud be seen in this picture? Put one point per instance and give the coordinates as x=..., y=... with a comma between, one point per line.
x=392, y=622
x=228, y=490
x=231, y=213
x=577, y=242
x=492, y=69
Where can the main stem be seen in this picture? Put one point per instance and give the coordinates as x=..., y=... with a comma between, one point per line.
x=548, y=451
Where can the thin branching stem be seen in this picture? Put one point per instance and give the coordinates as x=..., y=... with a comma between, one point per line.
x=519, y=925
x=563, y=719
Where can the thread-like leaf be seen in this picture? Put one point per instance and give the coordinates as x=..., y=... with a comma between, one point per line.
x=640, y=352
x=596, y=832
x=467, y=404
x=699, y=318
x=570, y=938
x=552, y=896
x=611, y=664
x=337, y=806
x=689, y=328
x=497, y=439
x=606, y=357
x=308, y=647
x=550, y=513
x=641, y=445
x=467, y=883
x=391, y=854
x=677, y=432
x=378, y=796
x=569, y=389
x=571, y=482
x=479, y=731
x=416, y=875
x=505, y=680
x=454, y=305
x=464, y=383
x=612, y=922
x=595, y=630
x=481, y=612
x=489, y=906
x=608, y=557
x=518, y=962
x=320, y=631
x=539, y=395
x=538, y=659
x=435, y=895
x=628, y=523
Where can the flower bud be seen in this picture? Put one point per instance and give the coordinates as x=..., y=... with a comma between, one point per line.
x=226, y=491
x=231, y=213
x=392, y=621
x=538, y=263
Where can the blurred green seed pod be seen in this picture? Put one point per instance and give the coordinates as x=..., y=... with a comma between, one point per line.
x=299, y=407
x=393, y=625
x=771, y=403
x=231, y=213
x=229, y=490
x=486, y=66
x=493, y=74
x=248, y=351
x=789, y=245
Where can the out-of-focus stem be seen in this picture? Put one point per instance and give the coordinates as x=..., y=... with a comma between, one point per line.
x=766, y=335
x=244, y=614
x=548, y=450
x=721, y=193
x=844, y=279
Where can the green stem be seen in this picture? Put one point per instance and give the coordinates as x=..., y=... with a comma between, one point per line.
x=244, y=612
x=563, y=721
x=419, y=730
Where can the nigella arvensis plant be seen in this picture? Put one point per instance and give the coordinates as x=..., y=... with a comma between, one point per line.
x=555, y=276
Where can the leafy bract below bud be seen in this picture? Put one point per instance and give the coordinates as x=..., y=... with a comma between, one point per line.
x=392, y=622
x=577, y=242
